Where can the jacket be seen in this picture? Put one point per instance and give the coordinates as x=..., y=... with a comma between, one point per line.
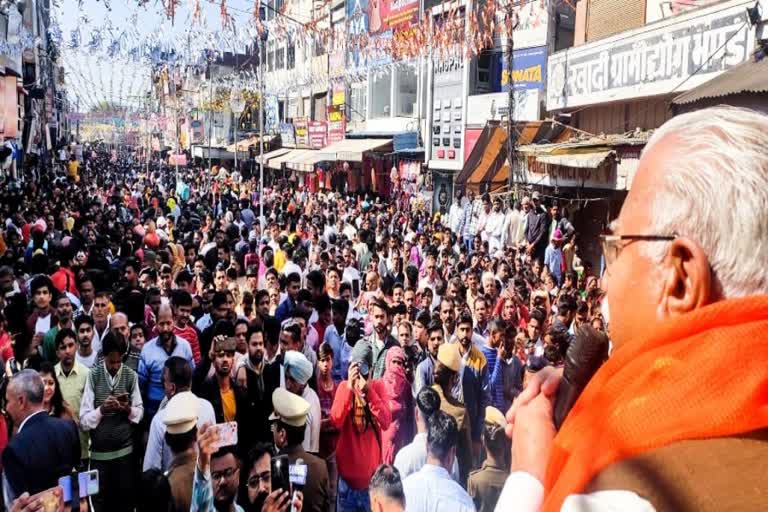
x=316, y=496
x=44, y=450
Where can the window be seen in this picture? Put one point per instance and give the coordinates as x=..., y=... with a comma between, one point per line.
x=291, y=56
x=4, y=27
x=406, y=91
x=280, y=58
x=381, y=94
x=271, y=60
x=357, y=102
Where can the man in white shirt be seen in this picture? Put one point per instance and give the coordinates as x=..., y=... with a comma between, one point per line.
x=177, y=377
x=298, y=371
x=456, y=215
x=514, y=226
x=431, y=489
x=494, y=227
x=412, y=457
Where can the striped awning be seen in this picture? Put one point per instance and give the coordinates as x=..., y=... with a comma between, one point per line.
x=277, y=162
x=305, y=162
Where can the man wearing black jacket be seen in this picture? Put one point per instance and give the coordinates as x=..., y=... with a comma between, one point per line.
x=251, y=376
x=229, y=400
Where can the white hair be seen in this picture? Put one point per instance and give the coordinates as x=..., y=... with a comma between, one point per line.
x=714, y=190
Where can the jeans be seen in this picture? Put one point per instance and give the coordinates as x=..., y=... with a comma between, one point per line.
x=352, y=500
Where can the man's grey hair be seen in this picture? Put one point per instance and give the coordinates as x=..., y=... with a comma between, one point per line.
x=714, y=190
x=386, y=481
x=30, y=384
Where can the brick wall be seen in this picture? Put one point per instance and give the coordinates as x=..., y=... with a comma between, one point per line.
x=608, y=17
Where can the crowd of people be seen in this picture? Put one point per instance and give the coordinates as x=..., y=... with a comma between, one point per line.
x=342, y=334
x=153, y=331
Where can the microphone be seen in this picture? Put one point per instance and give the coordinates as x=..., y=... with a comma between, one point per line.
x=582, y=360
x=298, y=476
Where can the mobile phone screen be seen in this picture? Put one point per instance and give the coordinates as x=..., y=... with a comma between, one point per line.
x=280, y=467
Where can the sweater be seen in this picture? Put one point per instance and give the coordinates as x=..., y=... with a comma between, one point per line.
x=359, y=454
x=115, y=431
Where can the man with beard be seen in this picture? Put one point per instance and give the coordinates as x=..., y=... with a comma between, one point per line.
x=425, y=370
x=250, y=376
x=257, y=495
x=153, y=357
x=373, y=349
x=229, y=400
x=177, y=381
x=472, y=375
x=64, y=313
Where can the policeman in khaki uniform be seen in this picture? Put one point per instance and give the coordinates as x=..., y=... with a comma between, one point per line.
x=485, y=484
x=289, y=420
x=181, y=434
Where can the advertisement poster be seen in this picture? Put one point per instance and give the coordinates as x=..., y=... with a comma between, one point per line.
x=392, y=14
x=302, y=134
x=530, y=69
x=337, y=56
x=533, y=23
x=286, y=135
x=336, y=124
x=357, y=23
x=197, y=130
x=339, y=94
x=271, y=117
x=318, y=134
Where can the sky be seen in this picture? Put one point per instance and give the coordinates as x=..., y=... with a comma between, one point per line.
x=93, y=79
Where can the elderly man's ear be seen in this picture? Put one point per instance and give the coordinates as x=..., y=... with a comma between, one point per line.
x=688, y=282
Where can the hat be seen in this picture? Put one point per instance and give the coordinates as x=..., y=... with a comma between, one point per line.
x=297, y=366
x=493, y=416
x=557, y=235
x=181, y=413
x=289, y=408
x=252, y=271
x=223, y=343
x=535, y=196
x=448, y=354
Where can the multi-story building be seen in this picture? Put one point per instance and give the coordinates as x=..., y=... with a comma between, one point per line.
x=31, y=82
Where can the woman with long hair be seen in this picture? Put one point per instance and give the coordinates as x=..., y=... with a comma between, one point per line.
x=53, y=401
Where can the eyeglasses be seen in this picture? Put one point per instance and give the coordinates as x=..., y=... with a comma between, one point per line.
x=225, y=474
x=265, y=477
x=612, y=245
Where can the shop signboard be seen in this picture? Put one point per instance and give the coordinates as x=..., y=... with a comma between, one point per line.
x=272, y=116
x=318, y=134
x=530, y=69
x=287, y=135
x=302, y=134
x=339, y=94
x=471, y=136
x=603, y=177
x=447, y=151
x=494, y=106
x=336, y=124
x=670, y=55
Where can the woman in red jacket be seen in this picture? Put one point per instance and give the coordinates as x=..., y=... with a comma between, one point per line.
x=361, y=414
x=401, y=408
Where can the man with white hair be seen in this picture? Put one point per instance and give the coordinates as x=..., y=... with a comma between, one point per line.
x=44, y=448
x=676, y=419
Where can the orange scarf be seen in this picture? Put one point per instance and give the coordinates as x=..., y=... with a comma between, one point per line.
x=699, y=376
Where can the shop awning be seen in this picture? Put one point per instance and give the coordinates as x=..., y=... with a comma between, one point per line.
x=352, y=150
x=277, y=162
x=580, y=160
x=272, y=154
x=749, y=77
x=245, y=144
x=487, y=161
x=305, y=162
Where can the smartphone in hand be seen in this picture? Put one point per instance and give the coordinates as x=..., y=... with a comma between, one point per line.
x=227, y=433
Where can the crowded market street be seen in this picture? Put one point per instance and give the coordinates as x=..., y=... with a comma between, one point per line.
x=358, y=255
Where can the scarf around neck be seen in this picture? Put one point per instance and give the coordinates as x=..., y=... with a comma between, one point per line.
x=698, y=376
